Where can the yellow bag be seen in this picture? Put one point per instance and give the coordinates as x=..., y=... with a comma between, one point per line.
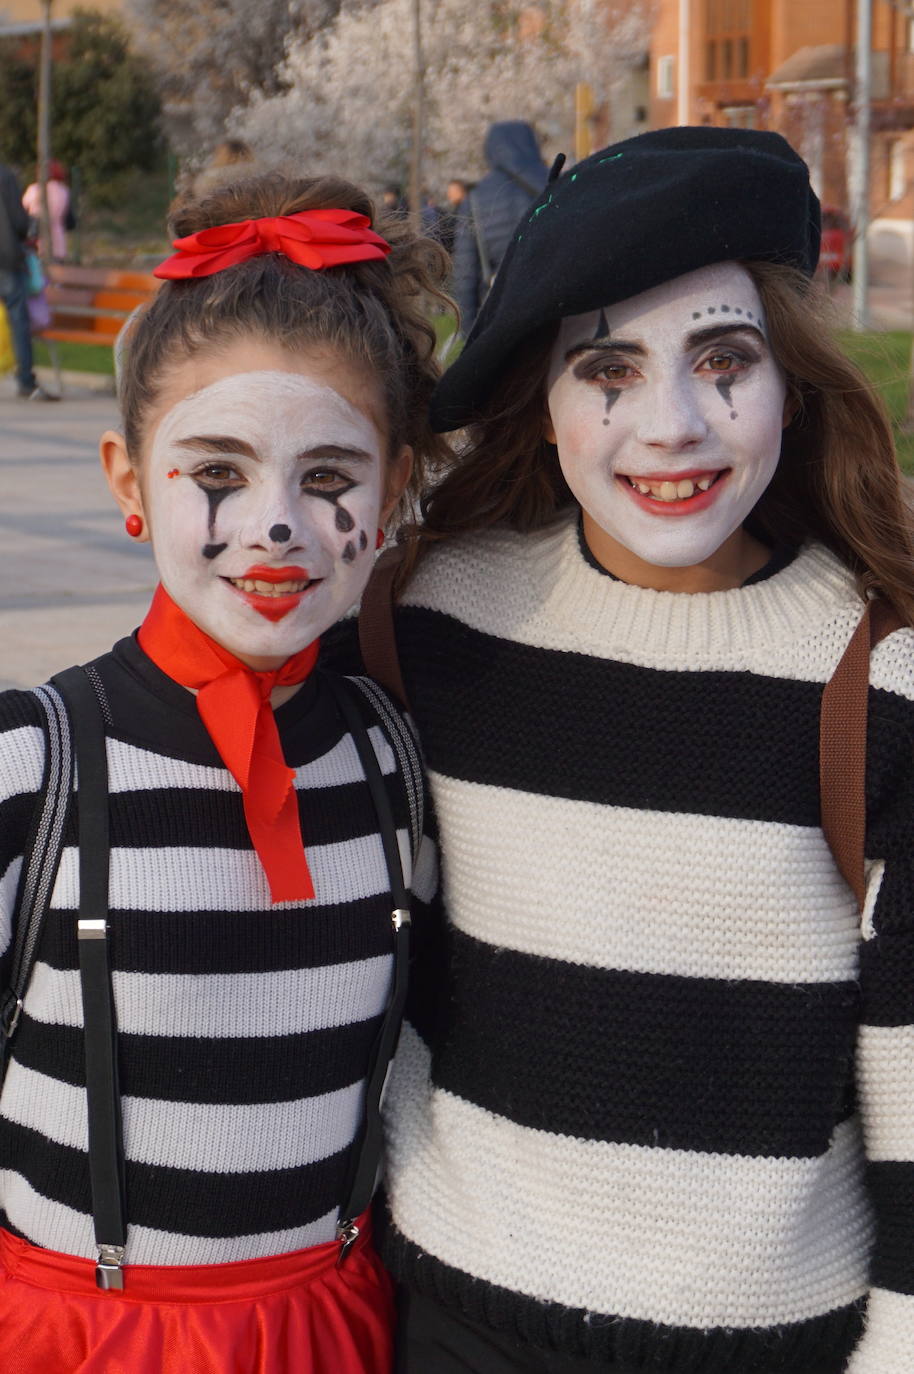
x=7, y=356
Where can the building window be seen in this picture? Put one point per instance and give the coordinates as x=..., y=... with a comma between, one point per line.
x=728, y=37
x=909, y=36
x=666, y=82
x=898, y=181
x=727, y=72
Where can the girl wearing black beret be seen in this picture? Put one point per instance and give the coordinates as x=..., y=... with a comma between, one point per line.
x=663, y=1118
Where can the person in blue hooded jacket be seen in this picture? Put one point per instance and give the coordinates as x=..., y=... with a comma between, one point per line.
x=488, y=216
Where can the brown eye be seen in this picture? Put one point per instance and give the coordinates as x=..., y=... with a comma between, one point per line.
x=613, y=372
x=325, y=479
x=217, y=474
x=721, y=362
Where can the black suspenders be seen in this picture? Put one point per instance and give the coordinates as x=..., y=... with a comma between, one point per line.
x=106, y=1143
x=106, y=1139
x=366, y=1151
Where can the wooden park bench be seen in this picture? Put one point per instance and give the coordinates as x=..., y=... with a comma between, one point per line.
x=90, y=304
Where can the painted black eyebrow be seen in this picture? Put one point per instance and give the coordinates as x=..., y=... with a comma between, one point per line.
x=595, y=345
x=696, y=339
x=721, y=331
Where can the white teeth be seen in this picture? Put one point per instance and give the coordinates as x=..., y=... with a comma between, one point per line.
x=681, y=490
x=257, y=584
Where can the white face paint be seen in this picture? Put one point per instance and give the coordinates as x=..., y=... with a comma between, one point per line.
x=667, y=410
x=263, y=490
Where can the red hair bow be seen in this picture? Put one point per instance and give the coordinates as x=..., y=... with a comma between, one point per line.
x=312, y=238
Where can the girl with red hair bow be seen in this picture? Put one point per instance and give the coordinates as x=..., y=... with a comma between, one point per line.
x=189, y=1119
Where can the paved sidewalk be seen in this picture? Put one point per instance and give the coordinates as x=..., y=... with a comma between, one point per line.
x=74, y=580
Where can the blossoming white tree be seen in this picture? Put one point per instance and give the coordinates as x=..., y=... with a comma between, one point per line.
x=349, y=91
x=211, y=56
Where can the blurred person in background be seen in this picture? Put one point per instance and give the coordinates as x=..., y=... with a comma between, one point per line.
x=60, y=209
x=488, y=215
x=14, y=283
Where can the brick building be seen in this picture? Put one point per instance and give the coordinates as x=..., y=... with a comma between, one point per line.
x=789, y=65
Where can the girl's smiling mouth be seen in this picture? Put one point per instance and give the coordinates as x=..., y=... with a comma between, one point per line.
x=273, y=592
x=680, y=493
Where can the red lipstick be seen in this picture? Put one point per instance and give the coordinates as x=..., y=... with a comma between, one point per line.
x=273, y=607
x=690, y=505
x=290, y=573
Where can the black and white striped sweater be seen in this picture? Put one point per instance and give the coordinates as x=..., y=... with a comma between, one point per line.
x=632, y=1130
x=244, y=1028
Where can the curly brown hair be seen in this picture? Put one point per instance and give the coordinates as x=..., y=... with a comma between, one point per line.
x=371, y=313
x=837, y=481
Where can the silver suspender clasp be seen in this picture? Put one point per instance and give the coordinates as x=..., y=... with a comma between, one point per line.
x=108, y=1271
x=400, y=917
x=347, y=1233
x=14, y=1019
x=92, y=930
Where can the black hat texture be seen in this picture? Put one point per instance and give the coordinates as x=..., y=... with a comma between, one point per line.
x=627, y=218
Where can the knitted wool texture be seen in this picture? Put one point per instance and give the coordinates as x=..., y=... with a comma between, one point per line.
x=244, y=1028
x=630, y=1131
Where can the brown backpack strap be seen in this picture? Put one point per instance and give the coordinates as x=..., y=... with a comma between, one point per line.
x=377, y=640
x=842, y=745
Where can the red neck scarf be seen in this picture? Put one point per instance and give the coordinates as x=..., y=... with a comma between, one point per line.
x=234, y=705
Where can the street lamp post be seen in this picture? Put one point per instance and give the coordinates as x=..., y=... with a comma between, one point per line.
x=860, y=189
x=44, y=128
x=683, y=75
x=415, y=165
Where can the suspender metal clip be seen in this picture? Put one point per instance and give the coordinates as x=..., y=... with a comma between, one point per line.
x=347, y=1233
x=108, y=1271
x=92, y=930
x=9, y=1016
x=400, y=917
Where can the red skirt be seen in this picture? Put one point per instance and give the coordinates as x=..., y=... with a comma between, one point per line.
x=286, y=1314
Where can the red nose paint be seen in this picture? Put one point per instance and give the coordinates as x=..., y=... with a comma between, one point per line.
x=175, y=472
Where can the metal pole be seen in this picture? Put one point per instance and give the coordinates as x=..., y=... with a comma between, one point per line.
x=860, y=167
x=415, y=167
x=682, y=64
x=44, y=130
x=583, y=109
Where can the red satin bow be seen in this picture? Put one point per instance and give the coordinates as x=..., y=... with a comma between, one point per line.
x=234, y=705
x=312, y=238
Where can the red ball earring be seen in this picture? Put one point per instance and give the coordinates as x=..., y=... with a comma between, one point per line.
x=134, y=526
x=380, y=539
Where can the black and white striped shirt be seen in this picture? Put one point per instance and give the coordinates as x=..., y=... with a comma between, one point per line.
x=244, y=1029
x=634, y=1130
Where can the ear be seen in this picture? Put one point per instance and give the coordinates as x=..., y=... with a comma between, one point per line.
x=123, y=480
x=399, y=471
x=548, y=426
x=792, y=407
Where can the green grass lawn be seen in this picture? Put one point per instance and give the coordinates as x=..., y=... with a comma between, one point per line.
x=886, y=360
x=75, y=357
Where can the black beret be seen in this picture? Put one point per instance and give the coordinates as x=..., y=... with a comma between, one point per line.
x=627, y=218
